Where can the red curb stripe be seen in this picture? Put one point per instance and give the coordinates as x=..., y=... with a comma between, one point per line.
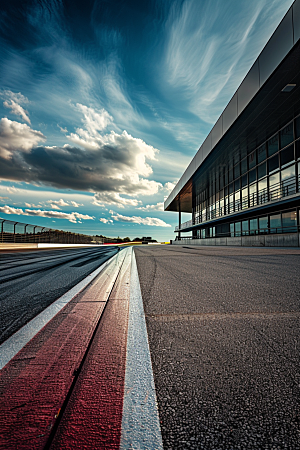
x=35, y=383
x=93, y=416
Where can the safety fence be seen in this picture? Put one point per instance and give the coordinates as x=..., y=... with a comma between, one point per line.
x=17, y=232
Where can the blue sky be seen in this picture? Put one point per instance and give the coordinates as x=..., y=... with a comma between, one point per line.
x=104, y=103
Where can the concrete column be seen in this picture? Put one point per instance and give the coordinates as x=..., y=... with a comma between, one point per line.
x=179, y=224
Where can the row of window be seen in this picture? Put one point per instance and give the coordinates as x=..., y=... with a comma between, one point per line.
x=279, y=151
x=280, y=184
x=281, y=222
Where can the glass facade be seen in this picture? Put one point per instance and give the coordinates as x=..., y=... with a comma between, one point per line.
x=268, y=173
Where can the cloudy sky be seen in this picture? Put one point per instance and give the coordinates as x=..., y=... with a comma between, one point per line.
x=103, y=103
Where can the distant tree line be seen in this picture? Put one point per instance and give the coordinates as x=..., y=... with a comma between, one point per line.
x=104, y=239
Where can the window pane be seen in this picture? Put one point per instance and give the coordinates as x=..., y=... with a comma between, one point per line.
x=226, y=178
x=237, y=196
x=289, y=221
x=232, y=229
x=262, y=184
x=231, y=188
x=286, y=135
x=273, y=163
x=273, y=146
x=244, y=180
x=287, y=155
x=221, y=181
x=237, y=171
x=245, y=225
x=288, y=181
x=252, y=195
x=262, y=153
x=237, y=228
x=230, y=175
x=274, y=179
x=237, y=184
x=245, y=198
x=253, y=225
x=263, y=223
x=263, y=191
x=275, y=223
x=261, y=170
x=288, y=173
x=252, y=159
x=244, y=165
x=252, y=176
x=274, y=187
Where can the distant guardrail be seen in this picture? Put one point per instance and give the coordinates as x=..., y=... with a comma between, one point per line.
x=18, y=232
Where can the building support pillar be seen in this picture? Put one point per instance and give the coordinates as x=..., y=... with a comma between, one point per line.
x=179, y=223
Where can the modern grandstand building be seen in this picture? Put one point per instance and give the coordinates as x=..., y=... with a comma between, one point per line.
x=243, y=185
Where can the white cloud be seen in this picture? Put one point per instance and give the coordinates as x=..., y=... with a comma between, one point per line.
x=10, y=210
x=63, y=130
x=150, y=221
x=114, y=166
x=17, y=137
x=168, y=186
x=103, y=220
x=75, y=204
x=15, y=96
x=12, y=189
x=32, y=205
x=73, y=217
x=60, y=202
x=113, y=198
x=94, y=120
x=158, y=207
x=210, y=47
x=17, y=110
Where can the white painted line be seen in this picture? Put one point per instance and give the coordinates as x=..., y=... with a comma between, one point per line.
x=20, y=338
x=140, y=421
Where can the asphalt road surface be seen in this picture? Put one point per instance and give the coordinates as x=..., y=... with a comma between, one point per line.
x=31, y=281
x=223, y=327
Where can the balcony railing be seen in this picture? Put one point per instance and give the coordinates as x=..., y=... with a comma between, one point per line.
x=184, y=225
x=275, y=192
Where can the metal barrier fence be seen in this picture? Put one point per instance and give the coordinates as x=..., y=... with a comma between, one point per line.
x=17, y=232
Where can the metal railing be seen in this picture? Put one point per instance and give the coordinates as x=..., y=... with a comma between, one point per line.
x=17, y=232
x=184, y=225
x=275, y=192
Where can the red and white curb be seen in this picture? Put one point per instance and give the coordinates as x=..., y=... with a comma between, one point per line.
x=114, y=403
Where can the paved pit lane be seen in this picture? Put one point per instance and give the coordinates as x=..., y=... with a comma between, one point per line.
x=31, y=281
x=223, y=329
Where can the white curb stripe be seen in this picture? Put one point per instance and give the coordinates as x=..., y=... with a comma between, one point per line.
x=15, y=343
x=140, y=421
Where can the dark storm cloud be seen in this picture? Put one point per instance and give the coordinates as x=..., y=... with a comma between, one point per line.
x=104, y=163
